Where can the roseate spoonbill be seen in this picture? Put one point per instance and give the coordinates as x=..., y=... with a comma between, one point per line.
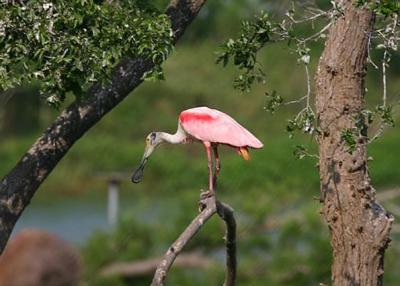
x=209, y=126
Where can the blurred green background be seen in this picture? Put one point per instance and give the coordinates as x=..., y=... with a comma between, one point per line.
x=282, y=239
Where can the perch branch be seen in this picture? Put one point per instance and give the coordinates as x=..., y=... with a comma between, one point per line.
x=208, y=206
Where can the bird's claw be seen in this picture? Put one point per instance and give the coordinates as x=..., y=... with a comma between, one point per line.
x=205, y=195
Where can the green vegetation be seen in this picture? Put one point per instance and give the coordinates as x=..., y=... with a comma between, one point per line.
x=272, y=186
x=66, y=46
x=281, y=237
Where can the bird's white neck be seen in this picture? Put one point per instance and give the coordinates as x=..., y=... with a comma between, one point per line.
x=177, y=138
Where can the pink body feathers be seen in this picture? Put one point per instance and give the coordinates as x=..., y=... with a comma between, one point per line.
x=214, y=126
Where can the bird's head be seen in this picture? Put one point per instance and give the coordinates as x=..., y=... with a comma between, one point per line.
x=152, y=141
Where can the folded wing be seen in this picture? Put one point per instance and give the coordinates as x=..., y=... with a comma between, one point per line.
x=212, y=125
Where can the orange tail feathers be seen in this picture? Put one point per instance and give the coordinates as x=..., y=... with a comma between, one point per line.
x=244, y=152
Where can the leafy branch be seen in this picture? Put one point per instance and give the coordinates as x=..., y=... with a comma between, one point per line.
x=244, y=50
x=243, y=53
x=387, y=38
x=384, y=7
x=67, y=46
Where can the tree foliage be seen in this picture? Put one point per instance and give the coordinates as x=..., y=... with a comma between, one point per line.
x=67, y=45
x=262, y=29
x=384, y=7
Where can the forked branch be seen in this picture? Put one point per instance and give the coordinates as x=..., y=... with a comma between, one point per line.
x=208, y=207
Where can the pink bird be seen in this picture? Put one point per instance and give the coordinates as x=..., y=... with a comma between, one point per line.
x=209, y=126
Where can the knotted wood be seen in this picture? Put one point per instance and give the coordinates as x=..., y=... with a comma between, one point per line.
x=359, y=226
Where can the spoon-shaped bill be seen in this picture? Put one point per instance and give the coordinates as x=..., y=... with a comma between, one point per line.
x=138, y=174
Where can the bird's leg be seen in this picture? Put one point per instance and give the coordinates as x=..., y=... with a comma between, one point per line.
x=210, y=172
x=217, y=164
x=217, y=161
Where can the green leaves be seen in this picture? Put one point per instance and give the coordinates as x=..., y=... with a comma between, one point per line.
x=243, y=51
x=382, y=114
x=68, y=45
x=274, y=101
x=385, y=114
x=383, y=7
x=303, y=122
x=349, y=137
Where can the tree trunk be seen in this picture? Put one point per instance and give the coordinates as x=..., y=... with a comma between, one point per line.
x=359, y=226
x=20, y=184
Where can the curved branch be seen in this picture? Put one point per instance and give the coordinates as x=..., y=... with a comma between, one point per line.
x=208, y=209
x=226, y=213
x=20, y=184
x=208, y=206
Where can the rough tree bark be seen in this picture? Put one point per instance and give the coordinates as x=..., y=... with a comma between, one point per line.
x=359, y=226
x=20, y=184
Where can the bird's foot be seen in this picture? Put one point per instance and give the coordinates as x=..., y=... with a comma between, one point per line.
x=204, y=196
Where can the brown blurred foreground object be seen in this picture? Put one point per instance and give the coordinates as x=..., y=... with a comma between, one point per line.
x=38, y=258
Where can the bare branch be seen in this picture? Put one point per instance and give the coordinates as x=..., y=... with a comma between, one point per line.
x=208, y=211
x=377, y=134
x=209, y=206
x=384, y=64
x=369, y=58
x=296, y=100
x=315, y=16
x=316, y=35
x=308, y=95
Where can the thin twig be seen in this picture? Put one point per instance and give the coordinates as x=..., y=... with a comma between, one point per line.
x=369, y=58
x=308, y=95
x=384, y=63
x=300, y=113
x=378, y=133
x=307, y=19
x=316, y=35
x=295, y=101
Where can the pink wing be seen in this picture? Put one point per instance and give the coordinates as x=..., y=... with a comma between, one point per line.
x=211, y=125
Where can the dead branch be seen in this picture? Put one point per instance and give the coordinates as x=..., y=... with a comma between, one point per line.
x=148, y=266
x=208, y=207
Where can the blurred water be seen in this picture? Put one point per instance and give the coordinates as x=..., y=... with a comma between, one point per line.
x=72, y=220
x=75, y=219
